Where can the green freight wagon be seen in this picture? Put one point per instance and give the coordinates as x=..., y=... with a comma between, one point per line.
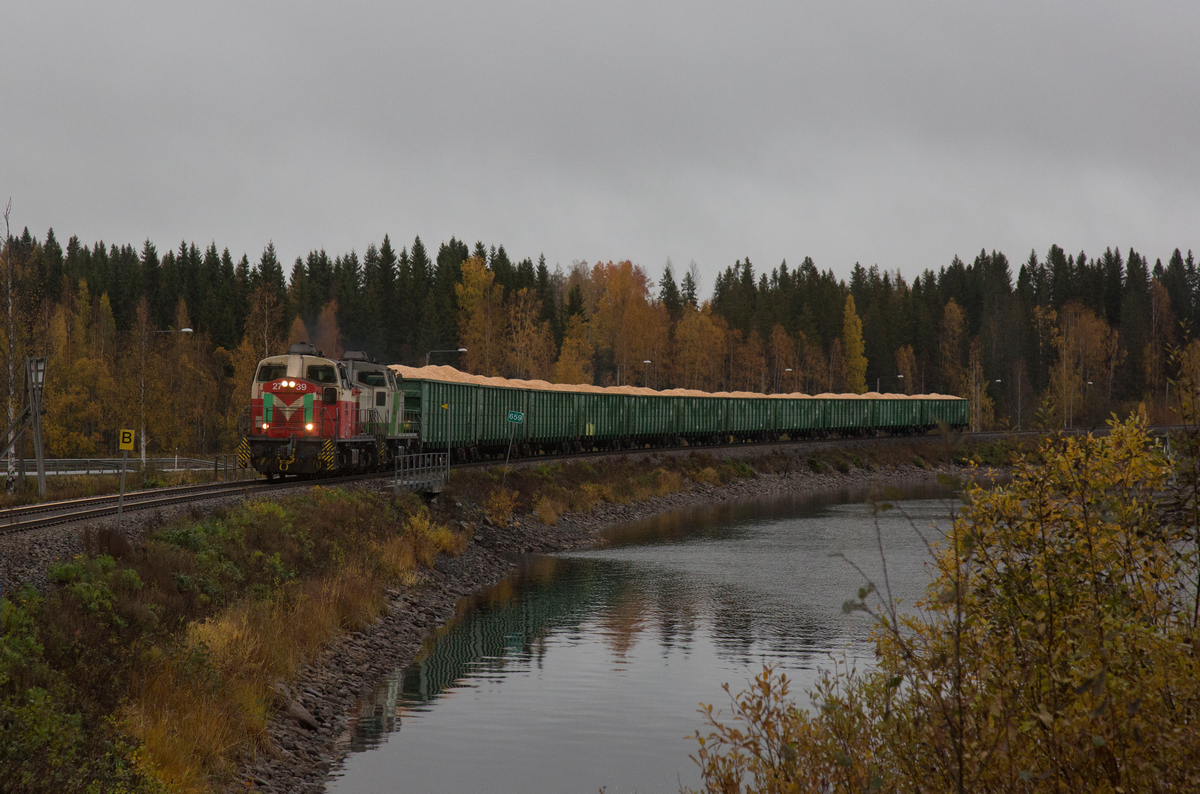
x=799, y=417
x=954, y=411
x=427, y=398
x=896, y=415
x=749, y=418
x=848, y=415
x=651, y=418
x=551, y=417
x=478, y=419
x=493, y=428
x=699, y=419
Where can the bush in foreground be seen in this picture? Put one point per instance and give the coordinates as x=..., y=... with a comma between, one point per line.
x=1057, y=650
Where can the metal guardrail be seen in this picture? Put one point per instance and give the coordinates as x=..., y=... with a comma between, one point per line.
x=226, y=469
x=113, y=465
x=424, y=471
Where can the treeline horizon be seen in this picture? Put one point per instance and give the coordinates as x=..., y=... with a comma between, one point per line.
x=1066, y=340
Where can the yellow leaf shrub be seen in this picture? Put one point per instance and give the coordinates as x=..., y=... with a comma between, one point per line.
x=1056, y=651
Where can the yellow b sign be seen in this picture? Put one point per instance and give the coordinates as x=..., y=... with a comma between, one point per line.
x=126, y=440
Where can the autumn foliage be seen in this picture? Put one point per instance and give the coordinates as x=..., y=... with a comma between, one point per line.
x=1057, y=649
x=1058, y=342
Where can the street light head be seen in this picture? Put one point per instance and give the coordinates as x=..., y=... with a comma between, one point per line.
x=646, y=361
x=789, y=369
x=185, y=330
x=462, y=350
x=901, y=377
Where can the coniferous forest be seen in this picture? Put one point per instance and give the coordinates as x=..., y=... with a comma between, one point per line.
x=1057, y=339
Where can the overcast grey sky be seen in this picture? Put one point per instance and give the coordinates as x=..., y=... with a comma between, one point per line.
x=889, y=133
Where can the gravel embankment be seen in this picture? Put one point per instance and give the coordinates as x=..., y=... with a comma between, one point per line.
x=26, y=556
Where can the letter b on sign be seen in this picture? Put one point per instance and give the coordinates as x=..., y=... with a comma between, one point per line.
x=126, y=440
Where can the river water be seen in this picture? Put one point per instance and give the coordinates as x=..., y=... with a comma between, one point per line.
x=584, y=670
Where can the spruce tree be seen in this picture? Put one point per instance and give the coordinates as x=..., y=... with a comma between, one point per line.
x=575, y=305
x=241, y=305
x=347, y=280
x=690, y=286
x=300, y=302
x=668, y=293
x=447, y=273
x=416, y=331
x=1061, y=277
x=52, y=256
x=375, y=296
x=225, y=334
x=1175, y=280
x=1113, y=269
x=506, y=274
x=526, y=275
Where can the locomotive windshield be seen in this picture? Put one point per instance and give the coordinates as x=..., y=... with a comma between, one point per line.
x=376, y=379
x=321, y=374
x=268, y=372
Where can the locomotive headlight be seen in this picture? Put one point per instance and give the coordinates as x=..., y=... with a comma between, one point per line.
x=308, y=426
x=265, y=425
x=291, y=384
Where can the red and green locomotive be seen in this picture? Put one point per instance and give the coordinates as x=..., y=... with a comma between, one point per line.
x=312, y=415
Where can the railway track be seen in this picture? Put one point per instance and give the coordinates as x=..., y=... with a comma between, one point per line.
x=47, y=514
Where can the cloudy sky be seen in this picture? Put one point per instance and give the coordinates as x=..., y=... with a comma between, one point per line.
x=889, y=133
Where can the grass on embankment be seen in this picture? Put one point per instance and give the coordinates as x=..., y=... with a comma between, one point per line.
x=154, y=667
x=549, y=490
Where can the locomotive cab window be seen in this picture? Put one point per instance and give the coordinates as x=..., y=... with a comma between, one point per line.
x=269, y=372
x=381, y=398
x=322, y=374
x=375, y=379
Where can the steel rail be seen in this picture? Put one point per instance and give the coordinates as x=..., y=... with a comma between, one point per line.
x=15, y=514
x=69, y=511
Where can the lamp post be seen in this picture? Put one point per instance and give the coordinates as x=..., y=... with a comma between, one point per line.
x=645, y=362
x=786, y=370
x=431, y=352
x=142, y=395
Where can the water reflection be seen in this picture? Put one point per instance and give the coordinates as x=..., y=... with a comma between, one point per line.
x=585, y=669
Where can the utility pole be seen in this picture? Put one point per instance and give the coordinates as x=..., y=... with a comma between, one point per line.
x=143, y=316
x=11, y=481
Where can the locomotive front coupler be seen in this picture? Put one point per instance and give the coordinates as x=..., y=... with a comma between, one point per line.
x=285, y=455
